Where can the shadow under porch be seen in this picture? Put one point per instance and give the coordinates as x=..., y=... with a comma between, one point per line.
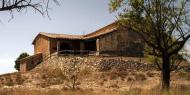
x=77, y=47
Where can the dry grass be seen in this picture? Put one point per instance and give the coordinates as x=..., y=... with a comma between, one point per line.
x=150, y=74
x=178, y=90
x=140, y=76
x=113, y=82
x=156, y=91
x=85, y=71
x=184, y=75
x=56, y=92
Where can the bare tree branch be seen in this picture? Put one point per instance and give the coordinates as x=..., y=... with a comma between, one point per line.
x=40, y=6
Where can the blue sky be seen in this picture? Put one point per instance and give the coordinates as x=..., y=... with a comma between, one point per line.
x=72, y=17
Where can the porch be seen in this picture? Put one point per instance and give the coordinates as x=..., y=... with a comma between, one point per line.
x=78, y=47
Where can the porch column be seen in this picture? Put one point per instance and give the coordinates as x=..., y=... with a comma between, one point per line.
x=82, y=46
x=58, y=47
x=97, y=46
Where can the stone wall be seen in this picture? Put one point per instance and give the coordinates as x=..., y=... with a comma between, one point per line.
x=42, y=45
x=121, y=43
x=30, y=62
x=53, y=45
x=125, y=65
x=11, y=79
x=98, y=63
x=108, y=42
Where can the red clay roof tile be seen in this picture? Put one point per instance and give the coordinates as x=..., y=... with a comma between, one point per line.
x=105, y=30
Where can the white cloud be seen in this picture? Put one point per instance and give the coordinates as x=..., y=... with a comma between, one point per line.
x=7, y=65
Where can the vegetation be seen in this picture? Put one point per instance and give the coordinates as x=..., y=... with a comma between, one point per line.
x=155, y=91
x=73, y=71
x=175, y=60
x=59, y=75
x=17, y=61
x=164, y=25
x=40, y=6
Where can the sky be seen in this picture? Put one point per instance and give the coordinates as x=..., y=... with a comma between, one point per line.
x=72, y=17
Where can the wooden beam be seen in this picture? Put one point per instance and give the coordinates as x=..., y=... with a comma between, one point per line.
x=58, y=47
x=97, y=46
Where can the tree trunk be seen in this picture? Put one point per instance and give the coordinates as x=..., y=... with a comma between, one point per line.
x=165, y=72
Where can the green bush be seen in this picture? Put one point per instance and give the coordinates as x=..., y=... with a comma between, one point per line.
x=17, y=61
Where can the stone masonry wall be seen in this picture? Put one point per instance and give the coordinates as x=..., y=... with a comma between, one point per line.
x=53, y=46
x=121, y=43
x=42, y=45
x=30, y=62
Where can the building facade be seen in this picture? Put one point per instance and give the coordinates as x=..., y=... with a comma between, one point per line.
x=107, y=41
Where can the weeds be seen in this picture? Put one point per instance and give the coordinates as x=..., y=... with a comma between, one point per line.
x=140, y=76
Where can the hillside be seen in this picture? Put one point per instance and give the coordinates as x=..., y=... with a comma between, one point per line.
x=90, y=74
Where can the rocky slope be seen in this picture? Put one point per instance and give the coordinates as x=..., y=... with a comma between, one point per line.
x=88, y=73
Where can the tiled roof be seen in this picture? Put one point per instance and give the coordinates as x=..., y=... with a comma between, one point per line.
x=105, y=30
x=61, y=36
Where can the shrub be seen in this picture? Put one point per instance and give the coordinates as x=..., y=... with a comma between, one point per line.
x=150, y=74
x=130, y=78
x=116, y=74
x=17, y=61
x=113, y=74
x=114, y=85
x=52, y=73
x=73, y=71
x=85, y=71
x=140, y=76
x=184, y=75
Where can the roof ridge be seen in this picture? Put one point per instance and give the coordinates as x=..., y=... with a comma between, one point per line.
x=58, y=34
x=113, y=23
x=106, y=29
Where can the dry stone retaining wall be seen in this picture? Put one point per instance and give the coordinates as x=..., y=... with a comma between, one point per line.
x=100, y=63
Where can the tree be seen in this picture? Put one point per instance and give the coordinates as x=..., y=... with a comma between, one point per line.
x=175, y=60
x=73, y=71
x=41, y=6
x=164, y=25
x=17, y=61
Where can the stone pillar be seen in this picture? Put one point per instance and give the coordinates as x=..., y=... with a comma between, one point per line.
x=97, y=46
x=58, y=47
x=82, y=48
x=23, y=65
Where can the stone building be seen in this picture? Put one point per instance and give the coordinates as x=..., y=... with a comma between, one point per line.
x=107, y=41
